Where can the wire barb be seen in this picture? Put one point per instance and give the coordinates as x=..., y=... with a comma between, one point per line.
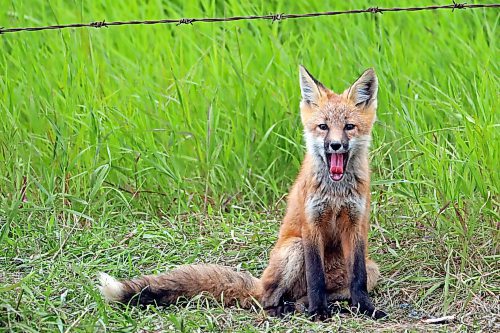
x=1, y=30
x=458, y=5
x=185, y=21
x=99, y=24
x=277, y=17
x=374, y=10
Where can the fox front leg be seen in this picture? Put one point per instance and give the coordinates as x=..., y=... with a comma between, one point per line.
x=315, y=273
x=356, y=259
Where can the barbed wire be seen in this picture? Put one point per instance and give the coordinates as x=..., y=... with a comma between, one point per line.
x=272, y=17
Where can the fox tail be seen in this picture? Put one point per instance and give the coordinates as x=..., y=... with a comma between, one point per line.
x=222, y=283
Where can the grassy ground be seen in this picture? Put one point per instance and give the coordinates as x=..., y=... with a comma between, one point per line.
x=142, y=148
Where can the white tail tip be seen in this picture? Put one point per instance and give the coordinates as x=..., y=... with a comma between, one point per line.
x=110, y=288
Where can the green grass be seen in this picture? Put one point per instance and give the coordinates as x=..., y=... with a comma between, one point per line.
x=202, y=122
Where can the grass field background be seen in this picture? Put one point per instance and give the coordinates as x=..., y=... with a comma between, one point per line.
x=136, y=149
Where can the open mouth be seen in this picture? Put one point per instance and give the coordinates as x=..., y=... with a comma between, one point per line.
x=337, y=164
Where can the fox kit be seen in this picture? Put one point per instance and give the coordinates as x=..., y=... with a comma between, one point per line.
x=321, y=252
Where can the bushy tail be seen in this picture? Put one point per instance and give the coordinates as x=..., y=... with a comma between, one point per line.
x=223, y=283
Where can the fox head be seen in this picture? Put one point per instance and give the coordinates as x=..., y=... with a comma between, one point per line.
x=337, y=127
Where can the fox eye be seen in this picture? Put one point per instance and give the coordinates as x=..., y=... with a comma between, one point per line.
x=323, y=127
x=349, y=127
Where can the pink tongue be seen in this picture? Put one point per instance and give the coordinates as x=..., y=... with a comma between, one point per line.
x=337, y=165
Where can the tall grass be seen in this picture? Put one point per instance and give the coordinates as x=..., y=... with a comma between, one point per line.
x=206, y=117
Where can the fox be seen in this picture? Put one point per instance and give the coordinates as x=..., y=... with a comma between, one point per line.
x=321, y=254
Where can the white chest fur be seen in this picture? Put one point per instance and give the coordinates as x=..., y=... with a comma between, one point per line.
x=319, y=206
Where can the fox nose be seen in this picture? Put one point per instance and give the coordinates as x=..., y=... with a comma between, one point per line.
x=335, y=145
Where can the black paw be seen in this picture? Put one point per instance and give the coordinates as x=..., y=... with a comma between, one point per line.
x=379, y=314
x=361, y=303
x=366, y=307
x=320, y=313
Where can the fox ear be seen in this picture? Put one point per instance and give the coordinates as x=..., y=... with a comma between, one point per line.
x=364, y=91
x=309, y=86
